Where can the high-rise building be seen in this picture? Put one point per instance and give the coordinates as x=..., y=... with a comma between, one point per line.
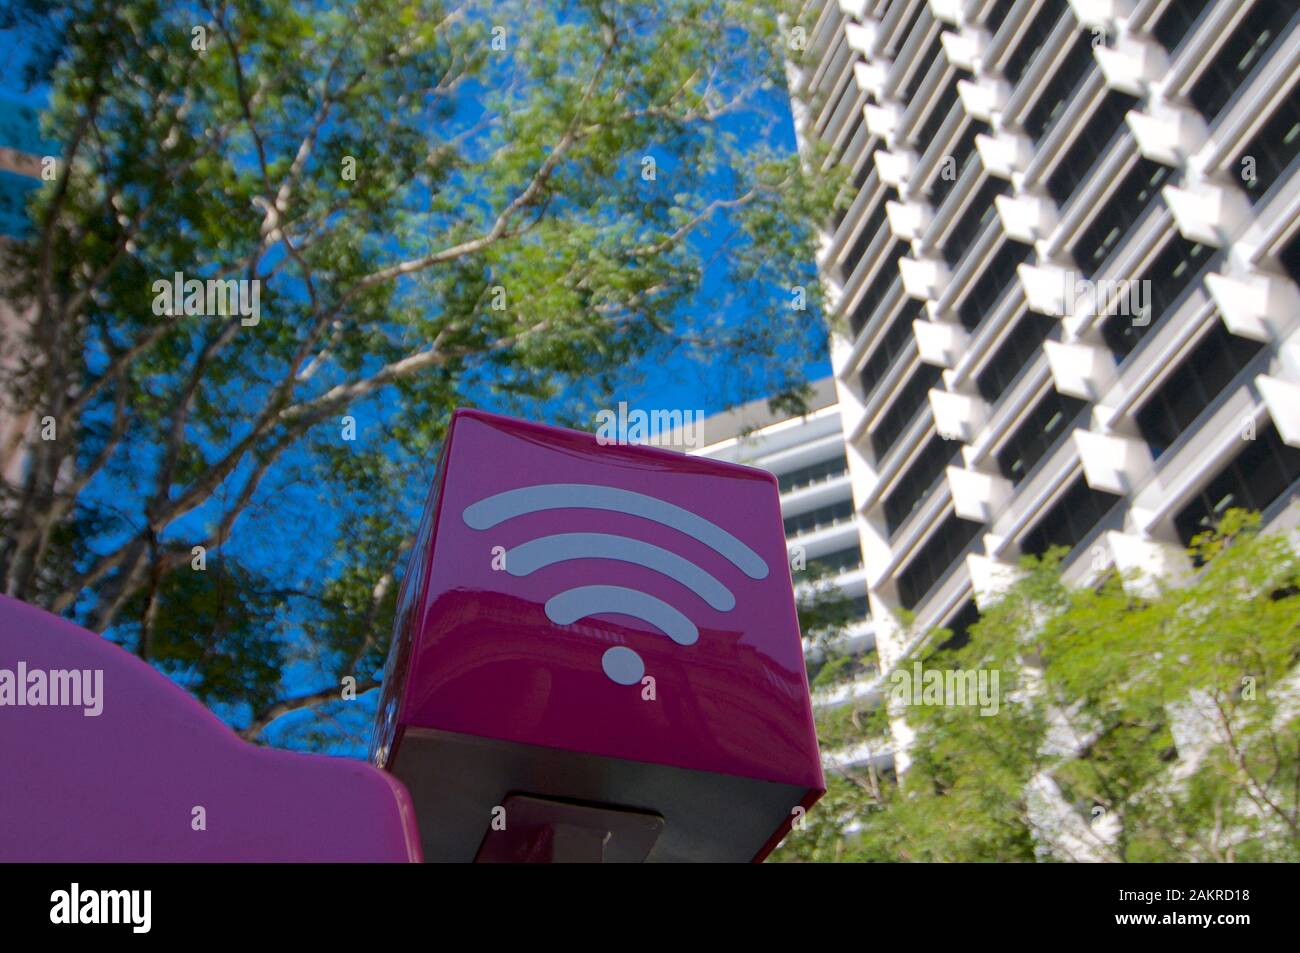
x=1066, y=269
x=807, y=455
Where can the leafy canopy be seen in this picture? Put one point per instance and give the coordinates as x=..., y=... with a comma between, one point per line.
x=1137, y=722
x=509, y=203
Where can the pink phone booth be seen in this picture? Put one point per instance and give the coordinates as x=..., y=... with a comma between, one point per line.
x=597, y=655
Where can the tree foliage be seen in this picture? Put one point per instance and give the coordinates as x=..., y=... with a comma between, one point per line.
x=1138, y=722
x=444, y=204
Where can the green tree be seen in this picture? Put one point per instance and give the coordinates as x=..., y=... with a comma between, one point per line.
x=1138, y=721
x=444, y=204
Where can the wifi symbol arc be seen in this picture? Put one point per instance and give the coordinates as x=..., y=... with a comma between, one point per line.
x=620, y=664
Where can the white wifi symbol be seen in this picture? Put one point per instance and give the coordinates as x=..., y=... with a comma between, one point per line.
x=621, y=664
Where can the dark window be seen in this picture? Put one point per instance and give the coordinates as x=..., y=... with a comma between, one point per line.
x=1138, y=189
x=1290, y=258
x=1174, y=270
x=1069, y=520
x=879, y=287
x=1254, y=481
x=1274, y=148
x=914, y=486
x=923, y=62
x=904, y=33
x=1169, y=275
x=1214, y=362
x=1030, y=42
x=959, y=625
x=870, y=229
x=1046, y=424
x=948, y=173
x=848, y=198
x=997, y=13
x=892, y=343
x=978, y=214
x=1017, y=351
x=1239, y=55
x=905, y=405
x=831, y=48
x=813, y=473
x=850, y=193
x=1052, y=101
x=839, y=561
x=934, y=559
x=998, y=275
x=864, y=170
x=938, y=113
x=1176, y=20
x=1089, y=146
x=850, y=90
x=819, y=518
x=859, y=117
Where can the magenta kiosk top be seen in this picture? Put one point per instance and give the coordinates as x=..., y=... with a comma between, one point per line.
x=597, y=655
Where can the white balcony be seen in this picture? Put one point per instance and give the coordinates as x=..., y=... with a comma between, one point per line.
x=1027, y=217
x=819, y=494
x=878, y=752
x=1259, y=305
x=940, y=343
x=882, y=120
x=1282, y=398
x=1101, y=14
x=871, y=77
x=1167, y=132
x=965, y=49
x=976, y=494
x=1113, y=463
x=1079, y=369
x=1133, y=64
x=1208, y=212
x=958, y=416
x=852, y=8
x=1144, y=562
x=894, y=168
x=864, y=688
x=924, y=277
x=1006, y=153
x=984, y=97
x=950, y=12
x=1046, y=288
x=908, y=220
x=990, y=577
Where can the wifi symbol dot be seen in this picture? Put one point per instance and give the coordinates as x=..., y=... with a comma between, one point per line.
x=623, y=665
x=620, y=664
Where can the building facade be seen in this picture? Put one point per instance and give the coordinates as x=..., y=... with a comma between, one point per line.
x=1066, y=274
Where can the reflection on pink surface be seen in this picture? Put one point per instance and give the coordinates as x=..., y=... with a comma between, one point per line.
x=124, y=784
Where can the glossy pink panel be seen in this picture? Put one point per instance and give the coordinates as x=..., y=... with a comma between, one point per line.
x=509, y=654
x=122, y=784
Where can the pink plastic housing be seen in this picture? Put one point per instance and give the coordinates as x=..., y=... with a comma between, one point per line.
x=124, y=785
x=501, y=677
